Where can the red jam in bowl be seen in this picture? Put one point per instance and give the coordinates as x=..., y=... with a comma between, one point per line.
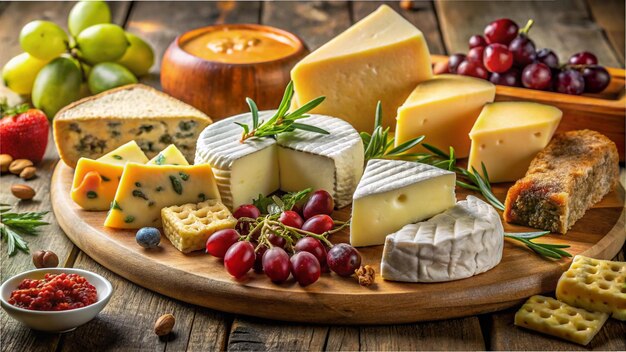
x=54, y=292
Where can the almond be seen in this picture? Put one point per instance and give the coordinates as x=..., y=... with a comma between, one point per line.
x=28, y=172
x=5, y=161
x=18, y=165
x=23, y=192
x=164, y=324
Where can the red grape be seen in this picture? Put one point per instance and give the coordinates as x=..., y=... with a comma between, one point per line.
x=523, y=50
x=537, y=76
x=548, y=57
x=276, y=240
x=440, y=67
x=276, y=264
x=305, y=268
x=454, y=60
x=477, y=40
x=319, y=224
x=291, y=218
x=220, y=241
x=313, y=246
x=476, y=54
x=258, y=257
x=320, y=202
x=472, y=68
x=570, y=81
x=501, y=31
x=247, y=211
x=497, y=58
x=597, y=78
x=239, y=258
x=343, y=259
x=509, y=78
x=583, y=58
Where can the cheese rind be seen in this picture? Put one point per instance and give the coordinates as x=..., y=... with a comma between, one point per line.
x=393, y=193
x=461, y=242
x=382, y=57
x=443, y=109
x=507, y=136
x=549, y=316
x=169, y=156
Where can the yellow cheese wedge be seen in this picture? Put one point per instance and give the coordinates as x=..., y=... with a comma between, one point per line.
x=595, y=285
x=169, y=156
x=444, y=110
x=95, y=181
x=146, y=189
x=382, y=57
x=507, y=136
x=549, y=316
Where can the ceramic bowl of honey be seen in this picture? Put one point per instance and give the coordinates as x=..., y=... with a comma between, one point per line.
x=215, y=68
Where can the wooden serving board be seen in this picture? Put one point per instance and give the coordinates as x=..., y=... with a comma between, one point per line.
x=201, y=279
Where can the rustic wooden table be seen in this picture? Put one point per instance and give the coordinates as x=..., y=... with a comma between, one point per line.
x=127, y=322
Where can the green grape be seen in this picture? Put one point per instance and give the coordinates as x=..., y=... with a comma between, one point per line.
x=86, y=14
x=108, y=75
x=19, y=73
x=43, y=40
x=102, y=43
x=139, y=56
x=56, y=85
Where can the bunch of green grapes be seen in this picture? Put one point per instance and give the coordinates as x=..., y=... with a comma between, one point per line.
x=57, y=69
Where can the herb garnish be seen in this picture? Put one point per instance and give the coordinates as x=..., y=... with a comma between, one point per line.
x=553, y=251
x=14, y=225
x=178, y=187
x=275, y=205
x=281, y=121
x=115, y=205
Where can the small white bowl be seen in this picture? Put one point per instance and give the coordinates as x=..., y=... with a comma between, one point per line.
x=57, y=321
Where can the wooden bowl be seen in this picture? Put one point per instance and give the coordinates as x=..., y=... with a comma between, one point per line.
x=604, y=112
x=219, y=89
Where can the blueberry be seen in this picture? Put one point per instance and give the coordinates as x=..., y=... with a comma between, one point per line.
x=148, y=237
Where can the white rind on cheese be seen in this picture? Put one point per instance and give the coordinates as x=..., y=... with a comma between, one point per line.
x=464, y=241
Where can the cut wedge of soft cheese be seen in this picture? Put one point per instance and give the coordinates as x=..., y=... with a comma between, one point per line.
x=91, y=126
x=95, y=181
x=382, y=57
x=461, y=242
x=169, y=156
x=293, y=162
x=507, y=136
x=444, y=110
x=145, y=189
x=332, y=162
x=393, y=193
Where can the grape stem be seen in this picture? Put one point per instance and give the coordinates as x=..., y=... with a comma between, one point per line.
x=526, y=28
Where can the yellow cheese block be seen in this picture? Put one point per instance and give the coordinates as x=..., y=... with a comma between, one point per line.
x=189, y=226
x=382, y=57
x=146, y=189
x=595, y=285
x=95, y=181
x=169, y=156
x=549, y=316
x=444, y=110
x=507, y=136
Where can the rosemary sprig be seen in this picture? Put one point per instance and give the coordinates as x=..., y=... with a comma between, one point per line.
x=553, y=251
x=282, y=121
x=14, y=225
x=275, y=205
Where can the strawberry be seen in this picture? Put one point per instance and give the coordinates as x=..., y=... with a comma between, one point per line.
x=23, y=132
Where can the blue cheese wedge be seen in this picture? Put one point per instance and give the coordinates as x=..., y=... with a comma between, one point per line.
x=461, y=242
x=169, y=156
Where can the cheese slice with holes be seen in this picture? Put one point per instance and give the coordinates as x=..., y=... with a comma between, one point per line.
x=393, y=193
x=595, y=285
x=552, y=317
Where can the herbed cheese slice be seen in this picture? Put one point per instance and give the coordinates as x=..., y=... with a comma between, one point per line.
x=382, y=57
x=393, y=193
x=461, y=242
x=595, y=285
x=444, y=110
x=145, y=189
x=169, y=156
x=552, y=317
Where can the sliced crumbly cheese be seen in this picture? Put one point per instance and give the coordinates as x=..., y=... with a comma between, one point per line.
x=169, y=156
x=444, y=110
x=507, y=136
x=382, y=57
x=146, y=189
x=95, y=181
x=552, y=317
x=91, y=126
x=595, y=285
x=393, y=193
x=188, y=226
x=461, y=242
x=242, y=170
x=332, y=162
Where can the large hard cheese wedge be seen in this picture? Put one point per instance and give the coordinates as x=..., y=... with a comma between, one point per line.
x=444, y=110
x=463, y=241
x=393, y=193
x=91, y=126
x=507, y=136
x=145, y=189
x=382, y=57
x=95, y=181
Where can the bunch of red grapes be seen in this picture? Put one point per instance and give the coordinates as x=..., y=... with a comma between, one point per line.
x=279, y=255
x=505, y=55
